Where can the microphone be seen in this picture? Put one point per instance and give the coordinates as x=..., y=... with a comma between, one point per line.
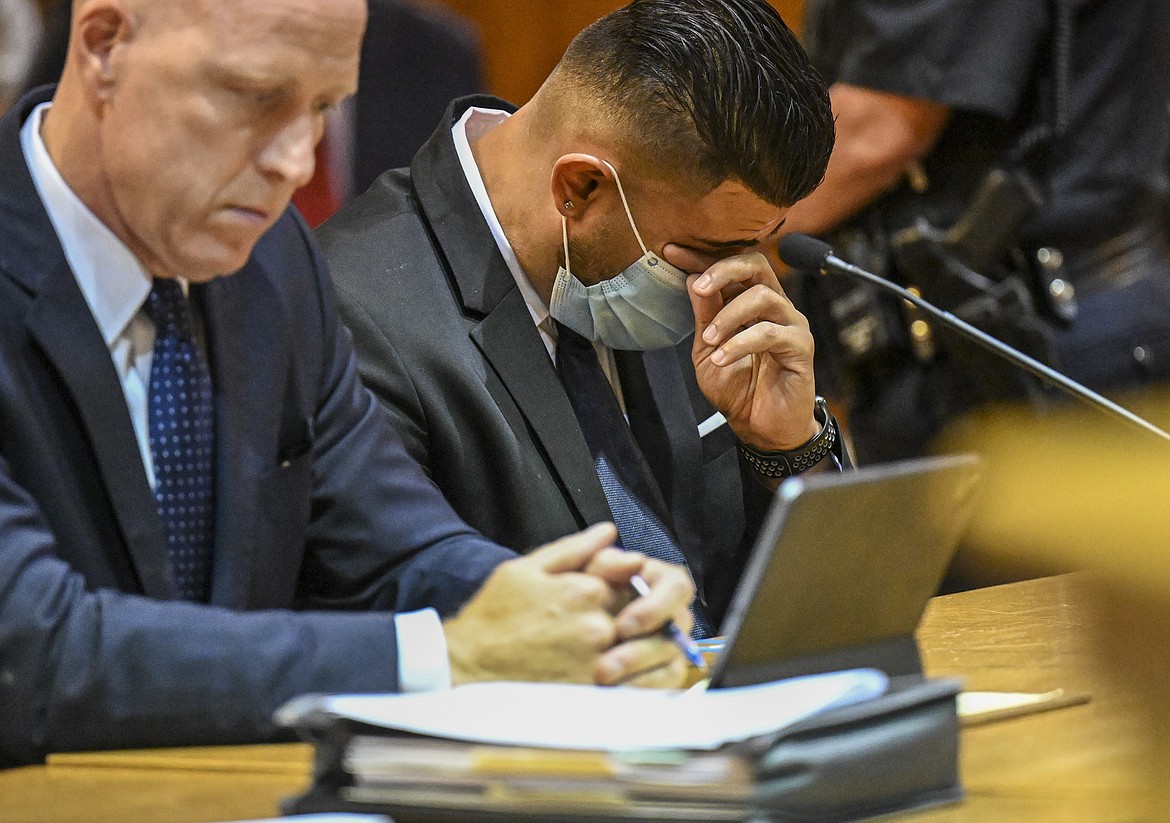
x=801, y=251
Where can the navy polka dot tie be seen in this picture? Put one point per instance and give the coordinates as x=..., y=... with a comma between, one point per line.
x=626, y=479
x=182, y=440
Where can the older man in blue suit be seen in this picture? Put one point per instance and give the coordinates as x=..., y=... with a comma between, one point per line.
x=202, y=512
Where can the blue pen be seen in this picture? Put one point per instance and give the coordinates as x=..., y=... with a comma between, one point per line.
x=680, y=638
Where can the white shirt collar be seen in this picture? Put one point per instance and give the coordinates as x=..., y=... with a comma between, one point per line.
x=114, y=282
x=475, y=123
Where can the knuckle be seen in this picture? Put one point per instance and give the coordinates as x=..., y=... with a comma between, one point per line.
x=760, y=292
x=611, y=555
x=677, y=577
x=597, y=630
x=796, y=339
x=588, y=590
x=776, y=301
x=659, y=572
x=775, y=335
x=597, y=590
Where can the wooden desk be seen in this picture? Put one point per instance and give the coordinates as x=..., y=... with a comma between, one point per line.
x=1081, y=763
x=1077, y=763
x=224, y=784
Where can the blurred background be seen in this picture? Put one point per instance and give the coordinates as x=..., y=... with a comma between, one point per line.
x=419, y=54
x=523, y=39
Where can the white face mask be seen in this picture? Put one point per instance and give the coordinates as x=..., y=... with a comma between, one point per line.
x=644, y=307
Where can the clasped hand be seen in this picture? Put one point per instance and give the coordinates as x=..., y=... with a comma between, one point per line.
x=565, y=613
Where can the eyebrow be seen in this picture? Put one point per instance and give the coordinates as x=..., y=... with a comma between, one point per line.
x=243, y=74
x=243, y=79
x=736, y=244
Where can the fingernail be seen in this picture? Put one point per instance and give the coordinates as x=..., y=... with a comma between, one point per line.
x=719, y=357
x=703, y=282
x=711, y=334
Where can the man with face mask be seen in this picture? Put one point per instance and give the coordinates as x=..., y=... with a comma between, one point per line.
x=558, y=307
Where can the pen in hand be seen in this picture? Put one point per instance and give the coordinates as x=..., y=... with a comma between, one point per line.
x=677, y=635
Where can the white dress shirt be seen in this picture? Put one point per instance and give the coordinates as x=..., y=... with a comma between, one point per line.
x=115, y=285
x=113, y=281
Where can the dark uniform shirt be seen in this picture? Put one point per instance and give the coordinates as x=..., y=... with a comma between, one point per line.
x=991, y=62
x=994, y=64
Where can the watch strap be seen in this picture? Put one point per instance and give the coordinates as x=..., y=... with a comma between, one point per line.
x=801, y=459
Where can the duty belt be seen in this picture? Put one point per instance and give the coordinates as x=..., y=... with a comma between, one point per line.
x=1119, y=261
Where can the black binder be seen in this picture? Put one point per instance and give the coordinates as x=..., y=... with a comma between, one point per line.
x=896, y=752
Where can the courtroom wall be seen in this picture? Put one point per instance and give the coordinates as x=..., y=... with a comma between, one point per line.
x=523, y=39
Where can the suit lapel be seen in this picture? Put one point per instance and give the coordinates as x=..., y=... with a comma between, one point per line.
x=61, y=324
x=242, y=320
x=510, y=342
x=504, y=333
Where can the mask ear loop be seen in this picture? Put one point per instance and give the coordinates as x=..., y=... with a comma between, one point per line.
x=626, y=205
x=565, y=238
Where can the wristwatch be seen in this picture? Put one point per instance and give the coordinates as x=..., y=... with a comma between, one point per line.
x=801, y=459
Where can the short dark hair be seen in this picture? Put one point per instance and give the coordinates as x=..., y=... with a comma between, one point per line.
x=718, y=89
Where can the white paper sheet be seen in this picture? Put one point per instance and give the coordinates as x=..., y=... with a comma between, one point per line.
x=588, y=717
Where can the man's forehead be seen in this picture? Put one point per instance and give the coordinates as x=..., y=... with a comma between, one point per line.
x=322, y=22
x=732, y=215
x=277, y=41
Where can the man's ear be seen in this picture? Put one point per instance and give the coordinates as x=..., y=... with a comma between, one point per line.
x=100, y=28
x=576, y=180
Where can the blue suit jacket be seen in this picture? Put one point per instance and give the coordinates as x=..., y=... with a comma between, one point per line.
x=318, y=508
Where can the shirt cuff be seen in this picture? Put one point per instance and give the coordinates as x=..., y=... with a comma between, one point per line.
x=422, y=652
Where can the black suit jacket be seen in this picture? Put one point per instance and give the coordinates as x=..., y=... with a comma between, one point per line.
x=446, y=342
x=318, y=508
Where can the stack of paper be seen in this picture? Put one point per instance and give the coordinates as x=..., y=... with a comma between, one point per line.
x=564, y=716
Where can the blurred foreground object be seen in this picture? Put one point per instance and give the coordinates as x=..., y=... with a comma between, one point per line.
x=1075, y=491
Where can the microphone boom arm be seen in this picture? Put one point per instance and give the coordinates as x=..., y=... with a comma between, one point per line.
x=1044, y=372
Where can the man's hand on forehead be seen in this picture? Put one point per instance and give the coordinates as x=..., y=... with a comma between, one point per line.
x=753, y=353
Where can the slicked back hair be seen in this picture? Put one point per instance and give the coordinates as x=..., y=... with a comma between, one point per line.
x=708, y=90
